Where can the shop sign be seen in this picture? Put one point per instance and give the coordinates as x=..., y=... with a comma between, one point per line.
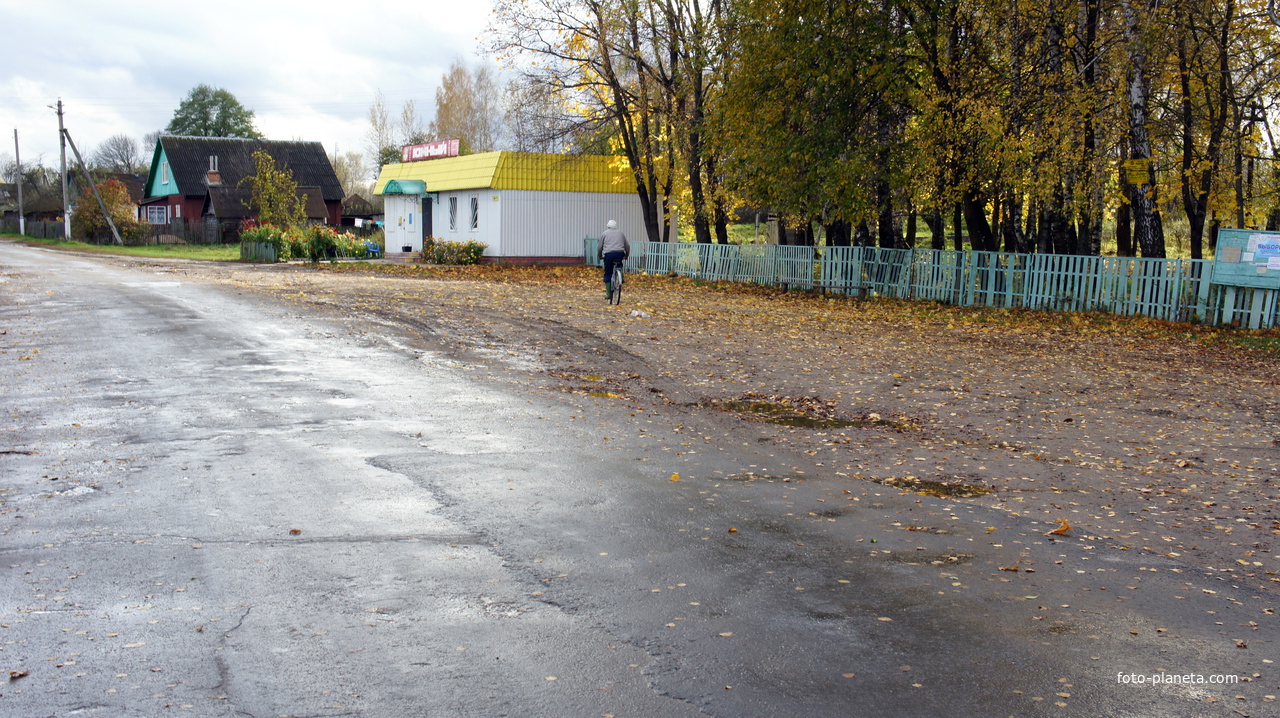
x=429, y=151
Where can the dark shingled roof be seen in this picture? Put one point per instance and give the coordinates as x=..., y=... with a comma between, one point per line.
x=189, y=162
x=358, y=206
x=231, y=203
x=135, y=184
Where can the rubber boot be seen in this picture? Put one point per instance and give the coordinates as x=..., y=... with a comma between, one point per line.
x=608, y=291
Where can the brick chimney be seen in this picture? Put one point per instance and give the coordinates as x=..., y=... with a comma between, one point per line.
x=213, y=177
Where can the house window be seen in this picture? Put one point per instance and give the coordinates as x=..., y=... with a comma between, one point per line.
x=453, y=214
x=156, y=214
x=177, y=210
x=475, y=213
x=164, y=172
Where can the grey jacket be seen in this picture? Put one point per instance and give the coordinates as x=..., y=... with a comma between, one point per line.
x=613, y=240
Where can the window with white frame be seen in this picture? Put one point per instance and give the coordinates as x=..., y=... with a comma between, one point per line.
x=164, y=172
x=156, y=214
x=475, y=213
x=453, y=214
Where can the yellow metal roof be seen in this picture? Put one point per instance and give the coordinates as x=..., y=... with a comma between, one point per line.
x=516, y=170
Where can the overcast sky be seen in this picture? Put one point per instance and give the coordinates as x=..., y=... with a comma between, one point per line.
x=309, y=70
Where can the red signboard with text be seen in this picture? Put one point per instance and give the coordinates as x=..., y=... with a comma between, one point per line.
x=429, y=151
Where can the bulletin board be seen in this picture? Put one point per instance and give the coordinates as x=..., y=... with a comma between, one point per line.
x=1247, y=258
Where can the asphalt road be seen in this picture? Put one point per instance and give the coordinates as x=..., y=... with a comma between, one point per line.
x=216, y=504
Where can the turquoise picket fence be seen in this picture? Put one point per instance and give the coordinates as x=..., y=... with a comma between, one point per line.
x=1178, y=290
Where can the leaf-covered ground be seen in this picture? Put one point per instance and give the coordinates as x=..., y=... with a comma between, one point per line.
x=1148, y=436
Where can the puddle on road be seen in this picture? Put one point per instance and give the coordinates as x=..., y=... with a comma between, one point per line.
x=752, y=476
x=787, y=415
x=917, y=558
x=941, y=489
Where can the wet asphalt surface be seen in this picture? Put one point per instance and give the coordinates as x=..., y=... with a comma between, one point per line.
x=216, y=504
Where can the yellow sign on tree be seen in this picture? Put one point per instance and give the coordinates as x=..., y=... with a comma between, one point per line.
x=1138, y=172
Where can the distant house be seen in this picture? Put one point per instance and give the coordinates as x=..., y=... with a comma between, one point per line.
x=358, y=211
x=39, y=203
x=202, y=178
x=8, y=201
x=134, y=184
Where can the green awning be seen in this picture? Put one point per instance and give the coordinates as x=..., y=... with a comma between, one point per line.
x=404, y=186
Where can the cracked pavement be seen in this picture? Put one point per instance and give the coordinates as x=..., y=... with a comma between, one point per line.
x=220, y=503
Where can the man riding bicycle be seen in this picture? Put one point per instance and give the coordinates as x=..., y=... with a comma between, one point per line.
x=613, y=249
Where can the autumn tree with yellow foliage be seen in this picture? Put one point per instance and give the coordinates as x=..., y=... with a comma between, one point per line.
x=1025, y=125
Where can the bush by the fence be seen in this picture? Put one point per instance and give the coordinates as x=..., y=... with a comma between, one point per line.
x=315, y=243
x=439, y=251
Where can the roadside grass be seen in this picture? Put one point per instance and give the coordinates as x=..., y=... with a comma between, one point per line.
x=207, y=252
x=1069, y=326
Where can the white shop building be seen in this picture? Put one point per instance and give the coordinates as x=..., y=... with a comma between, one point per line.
x=526, y=207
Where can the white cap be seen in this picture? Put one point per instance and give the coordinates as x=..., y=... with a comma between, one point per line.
x=613, y=224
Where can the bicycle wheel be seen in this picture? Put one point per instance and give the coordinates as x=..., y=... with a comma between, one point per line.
x=616, y=284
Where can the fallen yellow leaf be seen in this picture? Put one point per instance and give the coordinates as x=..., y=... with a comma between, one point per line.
x=1063, y=527
x=675, y=477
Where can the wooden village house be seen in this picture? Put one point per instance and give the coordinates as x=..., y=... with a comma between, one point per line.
x=201, y=179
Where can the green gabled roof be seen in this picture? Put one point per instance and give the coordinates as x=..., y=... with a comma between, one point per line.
x=514, y=170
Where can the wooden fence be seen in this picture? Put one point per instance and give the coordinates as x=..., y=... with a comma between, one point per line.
x=179, y=231
x=1178, y=290
x=38, y=230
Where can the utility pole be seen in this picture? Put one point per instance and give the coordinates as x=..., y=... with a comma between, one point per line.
x=115, y=233
x=17, y=158
x=66, y=206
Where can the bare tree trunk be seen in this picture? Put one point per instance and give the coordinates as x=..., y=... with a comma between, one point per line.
x=1239, y=175
x=837, y=233
x=1011, y=224
x=979, y=229
x=1124, y=232
x=957, y=222
x=1148, y=233
x=938, y=228
x=1089, y=240
x=862, y=237
x=884, y=223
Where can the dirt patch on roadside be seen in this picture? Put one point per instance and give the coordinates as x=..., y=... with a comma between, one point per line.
x=1141, y=438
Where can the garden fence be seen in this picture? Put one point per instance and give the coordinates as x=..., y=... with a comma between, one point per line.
x=1178, y=290
x=38, y=230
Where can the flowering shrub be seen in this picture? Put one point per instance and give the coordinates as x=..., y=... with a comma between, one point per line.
x=252, y=232
x=322, y=243
x=314, y=243
x=439, y=251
